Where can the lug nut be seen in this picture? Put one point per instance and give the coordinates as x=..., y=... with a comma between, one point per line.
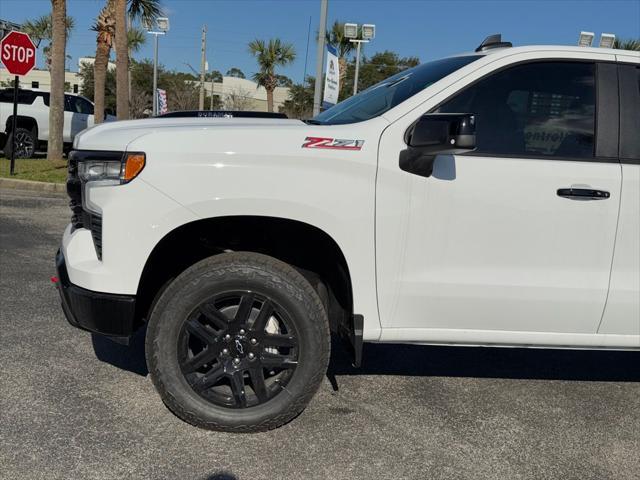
x=225, y=350
x=236, y=360
x=251, y=355
x=253, y=341
x=227, y=337
x=241, y=331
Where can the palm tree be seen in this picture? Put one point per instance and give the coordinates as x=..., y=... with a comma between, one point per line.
x=56, y=67
x=40, y=29
x=270, y=55
x=122, y=60
x=630, y=44
x=105, y=26
x=335, y=37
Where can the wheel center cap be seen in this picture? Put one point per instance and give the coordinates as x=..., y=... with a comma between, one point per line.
x=239, y=346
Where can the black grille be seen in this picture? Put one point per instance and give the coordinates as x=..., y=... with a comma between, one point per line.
x=80, y=218
x=74, y=190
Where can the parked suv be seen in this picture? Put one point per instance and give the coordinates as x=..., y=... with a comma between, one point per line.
x=490, y=198
x=33, y=120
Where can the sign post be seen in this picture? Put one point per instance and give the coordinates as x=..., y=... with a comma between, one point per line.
x=18, y=54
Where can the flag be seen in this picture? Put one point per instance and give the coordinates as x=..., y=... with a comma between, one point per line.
x=162, y=101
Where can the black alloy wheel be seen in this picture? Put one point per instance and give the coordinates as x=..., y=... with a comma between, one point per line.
x=238, y=349
x=25, y=144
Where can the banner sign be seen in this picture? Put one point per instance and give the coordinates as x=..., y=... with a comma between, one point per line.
x=331, y=79
x=162, y=102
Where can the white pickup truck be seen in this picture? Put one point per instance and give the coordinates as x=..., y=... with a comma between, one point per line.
x=490, y=198
x=33, y=120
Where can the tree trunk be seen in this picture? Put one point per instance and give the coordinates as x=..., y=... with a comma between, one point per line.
x=342, y=65
x=122, y=61
x=56, y=100
x=269, y=100
x=100, y=67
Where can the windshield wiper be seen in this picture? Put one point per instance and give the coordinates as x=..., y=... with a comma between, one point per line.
x=311, y=121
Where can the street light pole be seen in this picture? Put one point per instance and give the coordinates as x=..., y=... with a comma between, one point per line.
x=203, y=53
x=366, y=33
x=355, y=78
x=155, y=76
x=162, y=24
x=317, y=91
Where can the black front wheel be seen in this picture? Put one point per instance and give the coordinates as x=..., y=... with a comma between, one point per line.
x=25, y=144
x=238, y=342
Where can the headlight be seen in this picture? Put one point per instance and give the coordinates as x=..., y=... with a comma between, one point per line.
x=117, y=172
x=101, y=169
x=91, y=171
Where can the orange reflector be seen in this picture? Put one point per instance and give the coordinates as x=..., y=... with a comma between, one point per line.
x=133, y=166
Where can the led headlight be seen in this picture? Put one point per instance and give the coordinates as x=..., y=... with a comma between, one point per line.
x=103, y=169
x=92, y=170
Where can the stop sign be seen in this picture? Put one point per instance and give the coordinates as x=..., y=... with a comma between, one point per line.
x=18, y=53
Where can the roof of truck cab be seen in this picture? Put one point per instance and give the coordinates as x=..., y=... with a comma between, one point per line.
x=556, y=48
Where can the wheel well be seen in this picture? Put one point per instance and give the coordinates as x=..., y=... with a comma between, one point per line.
x=28, y=123
x=307, y=248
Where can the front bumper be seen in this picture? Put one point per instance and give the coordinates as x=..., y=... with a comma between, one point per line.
x=109, y=314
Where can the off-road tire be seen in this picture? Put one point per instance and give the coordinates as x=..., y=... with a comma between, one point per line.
x=254, y=272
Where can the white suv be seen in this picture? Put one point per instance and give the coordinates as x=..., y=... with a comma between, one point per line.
x=491, y=198
x=33, y=120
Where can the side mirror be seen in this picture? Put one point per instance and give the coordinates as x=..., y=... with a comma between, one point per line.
x=437, y=133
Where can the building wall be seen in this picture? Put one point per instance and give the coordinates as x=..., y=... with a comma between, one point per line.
x=234, y=90
x=41, y=80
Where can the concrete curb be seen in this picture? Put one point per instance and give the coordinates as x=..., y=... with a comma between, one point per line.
x=14, y=184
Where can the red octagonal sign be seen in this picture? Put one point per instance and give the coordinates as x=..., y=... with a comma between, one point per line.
x=18, y=53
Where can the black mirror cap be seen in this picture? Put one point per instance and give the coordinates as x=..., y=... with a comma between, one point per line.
x=443, y=133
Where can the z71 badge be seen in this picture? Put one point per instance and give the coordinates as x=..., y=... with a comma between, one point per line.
x=332, y=143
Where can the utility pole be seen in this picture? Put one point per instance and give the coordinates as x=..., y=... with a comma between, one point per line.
x=317, y=92
x=203, y=61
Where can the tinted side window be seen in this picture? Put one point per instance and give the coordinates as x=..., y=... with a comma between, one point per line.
x=84, y=106
x=536, y=109
x=25, y=97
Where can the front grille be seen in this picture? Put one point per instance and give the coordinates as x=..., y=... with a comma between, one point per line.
x=95, y=222
x=80, y=218
x=74, y=190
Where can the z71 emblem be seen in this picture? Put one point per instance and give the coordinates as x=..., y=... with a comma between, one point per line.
x=332, y=143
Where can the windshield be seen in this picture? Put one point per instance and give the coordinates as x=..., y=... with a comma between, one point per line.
x=383, y=96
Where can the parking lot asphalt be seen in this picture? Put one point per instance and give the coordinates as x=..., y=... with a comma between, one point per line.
x=77, y=407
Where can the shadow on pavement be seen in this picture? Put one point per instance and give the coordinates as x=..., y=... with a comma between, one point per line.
x=436, y=361
x=221, y=476
x=126, y=357
x=488, y=362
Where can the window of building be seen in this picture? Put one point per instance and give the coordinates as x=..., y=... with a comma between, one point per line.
x=35, y=84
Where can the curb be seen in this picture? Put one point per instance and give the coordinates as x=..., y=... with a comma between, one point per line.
x=12, y=183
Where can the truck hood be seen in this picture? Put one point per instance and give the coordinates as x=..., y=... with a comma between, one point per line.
x=118, y=135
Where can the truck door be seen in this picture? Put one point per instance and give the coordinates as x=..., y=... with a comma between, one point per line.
x=518, y=235
x=77, y=112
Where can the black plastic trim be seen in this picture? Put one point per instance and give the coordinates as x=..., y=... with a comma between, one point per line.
x=221, y=114
x=104, y=313
x=607, y=111
x=629, y=80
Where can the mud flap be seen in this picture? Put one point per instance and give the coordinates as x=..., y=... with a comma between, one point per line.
x=351, y=334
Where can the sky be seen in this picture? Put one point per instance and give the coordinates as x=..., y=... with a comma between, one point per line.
x=422, y=28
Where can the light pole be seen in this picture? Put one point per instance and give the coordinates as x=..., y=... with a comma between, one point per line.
x=317, y=90
x=162, y=24
x=368, y=32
